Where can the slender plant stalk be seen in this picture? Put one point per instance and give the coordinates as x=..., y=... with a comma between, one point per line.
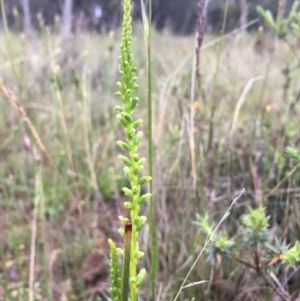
x=8, y=42
x=58, y=95
x=33, y=237
x=200, y=29
x=192, y=127
x=48, y=273
x=214, y=104
x=86, y=127
x=153, y=240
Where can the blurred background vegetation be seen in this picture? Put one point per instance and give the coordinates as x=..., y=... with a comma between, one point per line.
x=105, y=15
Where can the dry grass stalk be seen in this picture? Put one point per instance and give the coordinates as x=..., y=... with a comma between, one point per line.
x=200, y=29
x=13, y=100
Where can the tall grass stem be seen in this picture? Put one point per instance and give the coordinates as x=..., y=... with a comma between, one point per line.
x=34, y=235
x=8, y=42
x=153, y=236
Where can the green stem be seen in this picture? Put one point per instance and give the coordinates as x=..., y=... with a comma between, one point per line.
x=133, y=266
x=10, y=51
x=153, y=245
x=134, y=244
x=215, y=77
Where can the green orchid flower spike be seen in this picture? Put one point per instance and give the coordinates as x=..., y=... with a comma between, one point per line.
x=131, y=279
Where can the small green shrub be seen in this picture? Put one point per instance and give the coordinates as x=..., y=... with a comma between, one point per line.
x=254, y=247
